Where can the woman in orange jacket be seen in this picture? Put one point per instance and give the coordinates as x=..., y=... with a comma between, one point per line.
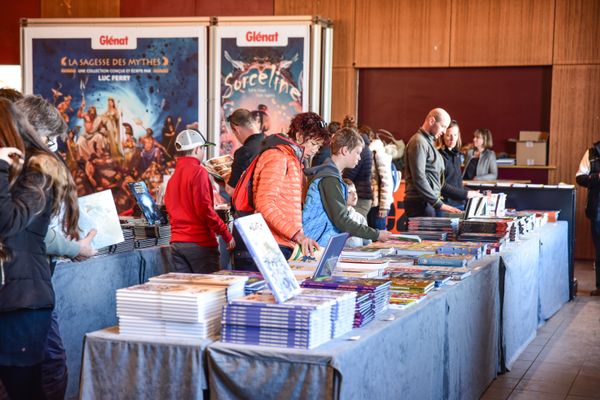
x=278, y=180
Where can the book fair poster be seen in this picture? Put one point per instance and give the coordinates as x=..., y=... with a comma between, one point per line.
x=263, y=69
x=125, y=93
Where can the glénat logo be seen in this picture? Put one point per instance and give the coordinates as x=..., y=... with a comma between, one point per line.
x=113, y=41
x=261, y=37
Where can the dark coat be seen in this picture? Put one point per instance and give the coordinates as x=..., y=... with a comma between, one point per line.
x=591, y=181
x=453, y=190
x=361, y=174
x=23, y=226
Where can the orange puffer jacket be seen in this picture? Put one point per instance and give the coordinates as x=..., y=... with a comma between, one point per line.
x=277, y=190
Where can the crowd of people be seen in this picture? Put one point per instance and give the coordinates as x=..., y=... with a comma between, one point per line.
x=310, y=183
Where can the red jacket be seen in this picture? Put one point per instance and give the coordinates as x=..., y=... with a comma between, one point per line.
x=190, y=204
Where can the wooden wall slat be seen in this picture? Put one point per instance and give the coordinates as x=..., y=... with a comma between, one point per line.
x=501, y=32
x=294, y=7
x=153, y=8
x=577, y=32
x=343, y=96
x=402, y=33
x=80, y=9
x=574, y=126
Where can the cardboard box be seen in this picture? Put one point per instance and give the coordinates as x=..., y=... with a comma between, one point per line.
x=535, y=136
x=532, y=153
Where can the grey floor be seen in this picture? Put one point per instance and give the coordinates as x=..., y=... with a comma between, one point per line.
x=563, y=362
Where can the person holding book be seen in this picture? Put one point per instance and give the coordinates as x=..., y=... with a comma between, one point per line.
x=354, y=215
x=247, y=131
x=34, y=185
x=480, y=162
x=588, y=176
x=325, y=211
x=453, y=191
x=190, y=205
x=278, y=179
x=424, y=168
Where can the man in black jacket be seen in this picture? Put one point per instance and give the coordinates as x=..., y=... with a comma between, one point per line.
x=588, y=176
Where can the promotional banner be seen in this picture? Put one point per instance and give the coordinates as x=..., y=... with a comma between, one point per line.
x=125, y=93
x=264, y=69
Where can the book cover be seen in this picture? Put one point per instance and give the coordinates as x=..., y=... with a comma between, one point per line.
x=146, y=203
x=98, y=211
x=268, y=257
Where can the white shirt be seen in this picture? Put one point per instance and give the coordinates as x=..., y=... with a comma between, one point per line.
x=584, y=165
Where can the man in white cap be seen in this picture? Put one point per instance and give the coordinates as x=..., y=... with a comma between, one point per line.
x=189, y=201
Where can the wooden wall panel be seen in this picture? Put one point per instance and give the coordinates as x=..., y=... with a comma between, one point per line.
x=80, y=8
x=574, y=126
x=343, y=93
x=12, y=12
x=402, y=33
x=577, y=32
x=339, y=11
x=209, y=8
x=153, y=8
x=502, y=32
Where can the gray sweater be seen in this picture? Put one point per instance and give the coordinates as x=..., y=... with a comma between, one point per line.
x=424, y=170
x=487, y=168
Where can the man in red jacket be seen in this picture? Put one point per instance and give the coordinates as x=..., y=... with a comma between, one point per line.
x=189, y=200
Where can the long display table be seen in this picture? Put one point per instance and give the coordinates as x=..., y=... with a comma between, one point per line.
x=449, y=346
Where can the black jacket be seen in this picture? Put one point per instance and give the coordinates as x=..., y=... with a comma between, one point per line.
x=23, y=225
x=453, y=190
x=361, y=174
x=244, y=156
x=592, y=182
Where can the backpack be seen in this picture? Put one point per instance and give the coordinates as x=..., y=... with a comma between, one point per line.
x=241, y=200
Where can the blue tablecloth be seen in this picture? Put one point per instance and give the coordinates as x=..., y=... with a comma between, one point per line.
x=140, y=367
x=85, y=296
x=444, y=347
x=553, y=269
x=519, y=297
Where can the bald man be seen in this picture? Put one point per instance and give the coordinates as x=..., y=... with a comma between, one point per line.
x=424, y=168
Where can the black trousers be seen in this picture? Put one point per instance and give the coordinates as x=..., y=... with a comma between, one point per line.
x=596, y=239
x=23, y=383
x=418, y=208
x=192, y=258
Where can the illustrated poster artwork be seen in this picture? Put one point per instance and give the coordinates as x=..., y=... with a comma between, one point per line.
x=268, y=257
x=125, y=93
x=264, y=70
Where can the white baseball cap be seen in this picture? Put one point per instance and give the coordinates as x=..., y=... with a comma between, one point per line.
x=190, y=139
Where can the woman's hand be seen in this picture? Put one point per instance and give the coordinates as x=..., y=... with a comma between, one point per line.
x=8, y=154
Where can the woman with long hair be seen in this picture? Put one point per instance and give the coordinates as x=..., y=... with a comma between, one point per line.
x=34, y=186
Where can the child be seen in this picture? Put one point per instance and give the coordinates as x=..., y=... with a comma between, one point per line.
x=190, y=204
x=354, y=215
x=325, y=212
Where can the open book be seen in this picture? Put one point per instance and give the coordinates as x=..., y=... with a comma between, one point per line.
x=219, y=167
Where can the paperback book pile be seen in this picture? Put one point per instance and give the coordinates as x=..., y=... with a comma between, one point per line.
x=151, y=235
x=183, y=311
x=446, y=260
x=233, y=285
x=299, y=322
x=406, y=299
x=431, y=272
x=342, y=313
x=126, y=245
x=364, y=267
x=406, y=291
x=372, y=299
x=417, y=249
x=255, y=281
x=476, y=249
x=363, y=253
x=430, y=235
x=502, y=227
x=449, y=226
x=439, y=279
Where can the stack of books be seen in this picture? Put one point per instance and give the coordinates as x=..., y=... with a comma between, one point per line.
x=434, y=225
x=151, y=235
x=432, y=272
x=342, y=313
x=406, y=291
x=446, y=260
x=182, y=311
x=233, y=285
x=502, y=228
x=372, y=294
x=255, y=281
x=363, y=253
x=300, y=322
x=417, y=249
x=128, y=244
x=476, y=249
x=360, y=268
x=439, y=278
